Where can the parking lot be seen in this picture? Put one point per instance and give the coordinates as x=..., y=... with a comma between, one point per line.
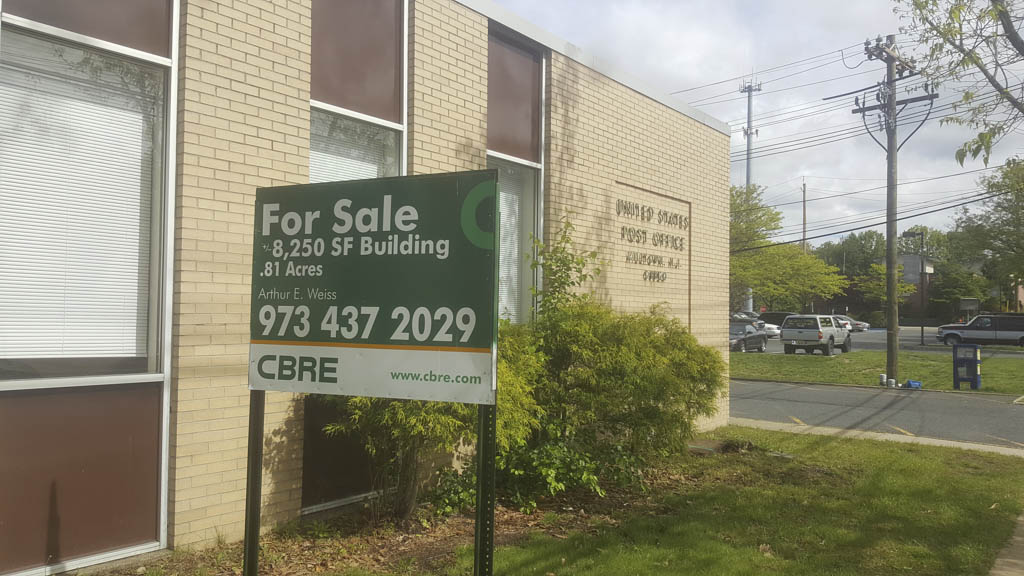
x=874, y=339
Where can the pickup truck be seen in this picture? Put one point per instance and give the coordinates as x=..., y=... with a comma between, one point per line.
x=812, y=332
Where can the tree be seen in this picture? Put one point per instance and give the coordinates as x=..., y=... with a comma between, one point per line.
x=750, y=221
x=972, y=42
x=991, y=232
x=784, y=277
x=936, y=243
x=948, y=285
x=872, y=285
x=854, y=254
x=750, y=226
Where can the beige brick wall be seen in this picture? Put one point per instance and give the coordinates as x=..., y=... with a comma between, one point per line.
x=608, y=143
x=243, y=109
x=448, y=87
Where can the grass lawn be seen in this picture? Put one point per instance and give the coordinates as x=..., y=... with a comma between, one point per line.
x=935, y=371
x=790, y=505
x=837, y=507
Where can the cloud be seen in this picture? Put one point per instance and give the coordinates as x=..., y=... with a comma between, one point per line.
x=677, y=45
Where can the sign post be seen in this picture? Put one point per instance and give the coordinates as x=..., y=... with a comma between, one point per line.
x=383, y=288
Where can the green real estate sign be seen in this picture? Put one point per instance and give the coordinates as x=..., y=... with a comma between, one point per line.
x=381, y=288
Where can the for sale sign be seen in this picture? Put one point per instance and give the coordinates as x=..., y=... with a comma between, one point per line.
x=381, y=288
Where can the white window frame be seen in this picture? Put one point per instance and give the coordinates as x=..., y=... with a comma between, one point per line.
x=403, y=170
x=401, y=128
x=161, y=293
x=538, y=216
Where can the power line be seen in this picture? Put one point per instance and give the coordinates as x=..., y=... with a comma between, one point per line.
x=696, y=102
x=870, y=214
x=907, y=217
x=918, y=181
x=945, y=195
x=822, y=139
x=779, y=67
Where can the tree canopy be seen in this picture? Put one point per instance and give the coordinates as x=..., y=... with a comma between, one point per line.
x=993, y=230
x=781, y=276
x=973, y=44
x=854, y=254
x=872, y=285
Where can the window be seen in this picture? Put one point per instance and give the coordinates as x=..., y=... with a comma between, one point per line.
x=982, y=323
x=517, y=193
x=826, y=322
x=81, y=143
x=800, y=323
x=1011, y=324
x=342, y=148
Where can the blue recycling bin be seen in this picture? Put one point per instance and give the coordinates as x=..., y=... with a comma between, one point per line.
x=967, y=365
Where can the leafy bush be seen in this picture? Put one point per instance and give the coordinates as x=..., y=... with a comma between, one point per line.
x=399, y=435
x=587, y=397
x=616, y=390
x=876, y=318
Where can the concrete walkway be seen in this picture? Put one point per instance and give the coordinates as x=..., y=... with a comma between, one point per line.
x=864, y=434
x=1010, y=561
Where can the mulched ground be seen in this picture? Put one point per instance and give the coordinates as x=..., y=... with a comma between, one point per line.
x=343, y=541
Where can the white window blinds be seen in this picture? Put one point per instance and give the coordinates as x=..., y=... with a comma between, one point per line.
x=80, y=144
x=517, y=187
x=345, y=149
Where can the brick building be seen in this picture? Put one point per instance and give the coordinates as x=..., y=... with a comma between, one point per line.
x=133, y=135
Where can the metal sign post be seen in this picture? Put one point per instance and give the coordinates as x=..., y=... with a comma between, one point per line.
x=384, y=288
x=486, y=448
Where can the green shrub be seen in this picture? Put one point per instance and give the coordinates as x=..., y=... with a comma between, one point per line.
x=876, y=318
x=399, y=435
x=618, y=391
x=587, y=397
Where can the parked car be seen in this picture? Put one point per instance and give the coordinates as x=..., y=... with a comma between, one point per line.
x=772, y=330
x=844, y=324
x=774, y=317
x=747, y=317
x=811, y=332
x=985, y=329
x=743, y=337
x=856, y=325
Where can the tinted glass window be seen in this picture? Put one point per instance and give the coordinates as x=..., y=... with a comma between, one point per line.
x=982, y=323
x=1010, y=324
x=801, y=323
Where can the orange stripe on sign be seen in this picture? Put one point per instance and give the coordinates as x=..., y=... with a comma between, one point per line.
x=373, y=346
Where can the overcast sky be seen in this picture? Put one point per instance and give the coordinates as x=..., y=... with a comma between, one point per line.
x=678, y=44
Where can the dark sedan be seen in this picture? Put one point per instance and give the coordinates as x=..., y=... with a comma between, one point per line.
x=744, y=337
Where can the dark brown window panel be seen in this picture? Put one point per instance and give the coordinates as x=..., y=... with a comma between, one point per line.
x=79, y=472
x=333, y=467
x=141, y=24
x=513, y=99
x=357, y=56
x=26, y=368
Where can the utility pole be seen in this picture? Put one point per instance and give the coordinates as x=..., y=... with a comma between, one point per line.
x=804, y=238
x=749, y=133
x=749, y=88
x=895, y=68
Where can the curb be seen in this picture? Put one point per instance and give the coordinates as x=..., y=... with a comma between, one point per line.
x=868, y=435
x=864, y=387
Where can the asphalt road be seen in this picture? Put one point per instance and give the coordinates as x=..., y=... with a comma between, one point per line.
x=963, y=417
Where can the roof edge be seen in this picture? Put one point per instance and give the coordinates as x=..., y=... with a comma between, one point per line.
x=499, y=14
